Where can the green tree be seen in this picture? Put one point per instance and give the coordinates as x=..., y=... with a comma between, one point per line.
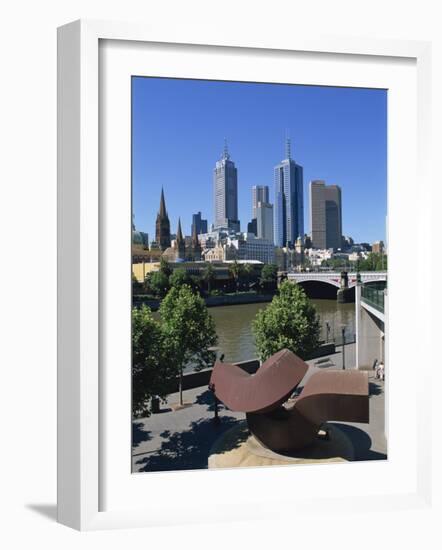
x=290, y=321
x=236, y=270
x=179, y=277
x=196, y=283
x=269, y=277
x=209, y=276
x=374, y=262
x=152, y=368
x=158, y=283
x=189, y=330
x=248, y=272
x=165, y=268
x=136, y=285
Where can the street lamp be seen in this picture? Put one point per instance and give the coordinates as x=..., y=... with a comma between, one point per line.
x=215, y=350
x=343, y=346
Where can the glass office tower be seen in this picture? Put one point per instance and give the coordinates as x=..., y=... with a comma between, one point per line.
x=289, y=201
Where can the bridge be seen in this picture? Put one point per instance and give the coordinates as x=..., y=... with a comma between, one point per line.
x=334, y=277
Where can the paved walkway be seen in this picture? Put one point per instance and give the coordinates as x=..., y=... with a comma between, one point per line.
x=181, y=439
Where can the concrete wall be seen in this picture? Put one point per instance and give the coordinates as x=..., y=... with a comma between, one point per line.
x=212, y=301
x=238, y=299
x=370, y=332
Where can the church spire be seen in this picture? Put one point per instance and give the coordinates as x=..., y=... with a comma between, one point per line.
x=196, y=247
x=162, y=226
x=179, y=233
x=180, y=242
x=162, y=211
x=194, y=233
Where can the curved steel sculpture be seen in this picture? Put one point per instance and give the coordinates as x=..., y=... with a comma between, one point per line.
x=326, y=395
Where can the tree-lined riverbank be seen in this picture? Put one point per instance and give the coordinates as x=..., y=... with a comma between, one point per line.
x=239, y=298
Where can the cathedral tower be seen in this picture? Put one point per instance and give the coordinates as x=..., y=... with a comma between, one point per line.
x=162, y=226
x=180, y=242
x=196, y=247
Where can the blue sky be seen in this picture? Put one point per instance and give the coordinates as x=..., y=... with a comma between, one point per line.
x=178, y=130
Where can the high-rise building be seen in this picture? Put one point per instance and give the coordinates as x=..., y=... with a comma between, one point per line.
x=260, y=193
x=264, y=221
x=162, y=226
x=252, y=227
x=378, y=247
x=225, y=193
x=247, y=247
x=289, y=201
x=325, y=215
x=198, y=224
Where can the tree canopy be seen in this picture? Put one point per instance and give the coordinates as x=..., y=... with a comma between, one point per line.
x=209, y=275
x=236, y=270
x=152, y=367
x=179, y=277
x=157, y=283
x=189, y=329
x=165, y=267
x=290, y=321
x=269, y=276
x=374, y=262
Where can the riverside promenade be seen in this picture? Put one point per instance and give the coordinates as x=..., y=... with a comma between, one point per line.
x=180, y=439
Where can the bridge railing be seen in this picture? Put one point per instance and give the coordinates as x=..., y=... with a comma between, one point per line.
x=375, y=275
x=373, y=296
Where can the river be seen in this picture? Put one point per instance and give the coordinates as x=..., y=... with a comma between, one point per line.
x=234, y=326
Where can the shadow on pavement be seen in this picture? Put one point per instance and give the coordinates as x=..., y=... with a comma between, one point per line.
x=138, y=434
x=206, y=398
x=374, y=389
x=188, y=450
x=361, y=442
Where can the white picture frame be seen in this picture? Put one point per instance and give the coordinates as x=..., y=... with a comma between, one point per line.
x=84, y=466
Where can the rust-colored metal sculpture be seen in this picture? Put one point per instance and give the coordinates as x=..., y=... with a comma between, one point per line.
x=281, y=426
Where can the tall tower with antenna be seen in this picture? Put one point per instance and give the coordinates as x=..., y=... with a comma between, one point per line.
x=289, y=200
x=225, y=193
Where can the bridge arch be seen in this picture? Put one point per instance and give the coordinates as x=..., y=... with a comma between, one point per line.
x=334, y=278
x=319, y=289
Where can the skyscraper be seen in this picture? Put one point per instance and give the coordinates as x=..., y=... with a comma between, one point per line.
x=162, y=226
x=198, y=224
x=252, y=227
x=325, y=215
x=225, y=193
x=289, y=201
x=264, y=221
x=260, y=193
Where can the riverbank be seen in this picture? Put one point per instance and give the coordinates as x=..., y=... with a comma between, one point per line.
x=241, y=298
x=182, y=439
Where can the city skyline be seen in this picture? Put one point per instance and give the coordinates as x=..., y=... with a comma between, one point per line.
x=192, y=190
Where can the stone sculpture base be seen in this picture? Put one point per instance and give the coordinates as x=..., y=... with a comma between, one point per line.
x=236, y=448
